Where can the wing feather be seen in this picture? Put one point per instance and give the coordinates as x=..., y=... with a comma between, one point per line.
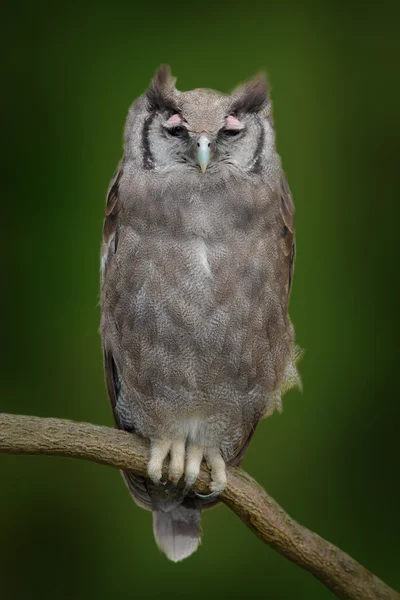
x=112, y=207
x=136, y=485
x=287, y=228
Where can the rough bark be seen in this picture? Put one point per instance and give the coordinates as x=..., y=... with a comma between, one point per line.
x=334, y=568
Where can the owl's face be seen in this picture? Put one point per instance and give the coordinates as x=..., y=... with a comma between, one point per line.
x=203, y=130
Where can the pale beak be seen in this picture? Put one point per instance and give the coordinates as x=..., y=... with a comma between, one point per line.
x=203, y=151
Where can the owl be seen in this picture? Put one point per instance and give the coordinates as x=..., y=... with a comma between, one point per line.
x=196, y=269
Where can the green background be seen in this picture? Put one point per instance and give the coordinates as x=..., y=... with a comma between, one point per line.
x=69, y=529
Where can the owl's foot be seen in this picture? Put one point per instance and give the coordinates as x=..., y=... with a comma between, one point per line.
x=213, y=457
x=159, y=451
x=186, y=460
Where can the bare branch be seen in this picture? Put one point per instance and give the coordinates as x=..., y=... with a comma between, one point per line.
x=333, y=567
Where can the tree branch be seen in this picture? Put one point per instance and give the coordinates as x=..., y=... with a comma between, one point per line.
x=334, y=568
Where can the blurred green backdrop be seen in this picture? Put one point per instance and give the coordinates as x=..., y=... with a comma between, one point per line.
x=69, y=530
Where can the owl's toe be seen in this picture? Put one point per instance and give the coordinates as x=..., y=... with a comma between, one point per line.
x=177, y=462
x=194, y=456
x=218, y=486
x=218, y=470
x=158, y=452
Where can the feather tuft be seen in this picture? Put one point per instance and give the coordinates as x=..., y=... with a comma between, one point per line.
x=160, y=94
x=251, y=96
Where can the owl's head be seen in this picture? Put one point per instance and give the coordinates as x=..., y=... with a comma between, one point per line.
x=201, y=130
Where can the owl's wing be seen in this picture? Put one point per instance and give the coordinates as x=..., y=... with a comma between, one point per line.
x=291, y=376
x=135, y=484
x=110, y=224
x=287, y=227
x=110, y=231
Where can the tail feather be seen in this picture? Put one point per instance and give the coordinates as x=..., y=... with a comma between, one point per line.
x=177, y=532
x=176, y=519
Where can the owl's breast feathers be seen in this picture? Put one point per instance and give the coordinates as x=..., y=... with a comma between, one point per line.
x=195, y=291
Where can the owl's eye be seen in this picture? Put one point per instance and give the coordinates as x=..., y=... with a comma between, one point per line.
x=177, y=131
x=233, y=127
x=231, y=132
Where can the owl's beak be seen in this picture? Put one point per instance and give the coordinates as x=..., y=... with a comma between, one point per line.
x=203, y=151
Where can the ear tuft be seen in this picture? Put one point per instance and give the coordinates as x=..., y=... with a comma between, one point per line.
x=252, y=96
x=162, y=90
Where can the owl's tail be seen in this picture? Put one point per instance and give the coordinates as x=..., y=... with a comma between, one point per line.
x=176, y=518
x=177, y=531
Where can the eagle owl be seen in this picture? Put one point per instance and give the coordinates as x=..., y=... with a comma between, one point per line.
x=196, y=268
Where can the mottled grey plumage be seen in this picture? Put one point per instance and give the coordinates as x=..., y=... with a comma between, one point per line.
x=196, y=275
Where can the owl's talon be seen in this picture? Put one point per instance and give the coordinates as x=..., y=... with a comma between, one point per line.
x=158, y=482
x=210, y=496
x=189, y=481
